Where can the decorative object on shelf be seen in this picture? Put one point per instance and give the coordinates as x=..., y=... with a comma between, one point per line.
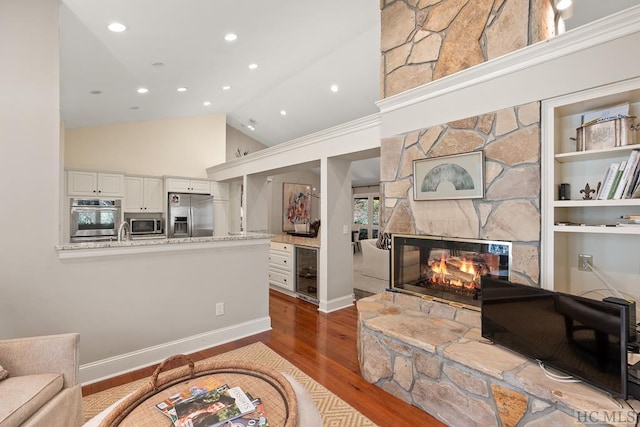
x=296, y=205
x=564, y=192
x=587, y=191
x=460, y=176
x=241, y=153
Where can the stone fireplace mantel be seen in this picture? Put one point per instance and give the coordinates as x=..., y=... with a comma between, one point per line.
x=432, y=355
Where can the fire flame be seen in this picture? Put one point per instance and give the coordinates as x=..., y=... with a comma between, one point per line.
x=440, y=268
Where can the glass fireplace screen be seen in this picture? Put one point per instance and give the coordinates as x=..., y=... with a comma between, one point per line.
x=447, y=268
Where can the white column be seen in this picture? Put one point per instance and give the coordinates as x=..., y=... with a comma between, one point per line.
x=257, y=193
x=335, y=290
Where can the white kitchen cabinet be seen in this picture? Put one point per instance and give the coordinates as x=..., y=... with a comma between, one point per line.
x=576, y=226
x=96, y=184
x=281, y=267
x=143, y=194
x=185, y=185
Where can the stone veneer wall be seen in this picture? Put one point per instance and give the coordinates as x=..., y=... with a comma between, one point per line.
x=510, y=209
x=432, y=356
x=424, y=40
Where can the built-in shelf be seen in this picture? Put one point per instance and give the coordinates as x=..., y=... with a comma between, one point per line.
x=611, y=246
x=576, y=156
x=594, y=203
x=595, y=229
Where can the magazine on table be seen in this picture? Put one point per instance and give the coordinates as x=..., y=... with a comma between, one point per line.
x=257, y=418
x=213, y=408
x=192, y=389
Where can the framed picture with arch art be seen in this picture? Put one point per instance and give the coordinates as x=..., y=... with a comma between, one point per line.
x=460, y=176
x=296, y=205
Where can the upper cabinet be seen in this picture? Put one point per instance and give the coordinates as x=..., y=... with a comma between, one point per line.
x=95, y=184
x=576, y=224
x=185, y=185
x=143, y=194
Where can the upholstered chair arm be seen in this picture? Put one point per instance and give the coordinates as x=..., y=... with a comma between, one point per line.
x=44, y=354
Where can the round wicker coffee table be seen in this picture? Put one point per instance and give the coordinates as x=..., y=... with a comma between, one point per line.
x=272, y=388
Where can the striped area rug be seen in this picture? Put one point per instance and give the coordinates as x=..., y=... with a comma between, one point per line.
x=334, y=411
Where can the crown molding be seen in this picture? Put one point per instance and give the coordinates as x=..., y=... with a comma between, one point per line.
x=353, y=126
x=601, y=31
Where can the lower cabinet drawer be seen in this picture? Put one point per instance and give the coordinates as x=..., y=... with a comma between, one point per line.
x=282, y=261
x=281, y=279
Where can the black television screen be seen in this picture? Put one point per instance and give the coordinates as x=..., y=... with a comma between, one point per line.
x=582, y=337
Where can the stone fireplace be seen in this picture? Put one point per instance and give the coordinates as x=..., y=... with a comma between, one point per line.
x=447, y=269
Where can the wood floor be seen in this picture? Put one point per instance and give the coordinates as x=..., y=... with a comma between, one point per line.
x=324, y=347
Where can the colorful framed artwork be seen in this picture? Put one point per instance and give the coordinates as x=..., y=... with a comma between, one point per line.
x=296, y=205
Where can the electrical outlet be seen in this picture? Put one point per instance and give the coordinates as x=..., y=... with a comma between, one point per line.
x=219, y=309
x=583, y=261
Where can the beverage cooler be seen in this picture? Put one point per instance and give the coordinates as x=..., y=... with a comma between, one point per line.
x=307, y=273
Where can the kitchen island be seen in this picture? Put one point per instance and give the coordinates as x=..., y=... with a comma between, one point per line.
x=139, y=246
x=137, y=302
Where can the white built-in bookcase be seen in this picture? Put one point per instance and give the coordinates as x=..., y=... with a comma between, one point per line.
x=615, y=250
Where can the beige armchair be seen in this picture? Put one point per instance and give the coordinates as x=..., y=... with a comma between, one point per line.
x=375, y=262
x=42, y=388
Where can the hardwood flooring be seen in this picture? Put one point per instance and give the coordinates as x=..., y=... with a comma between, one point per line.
x=324, y=347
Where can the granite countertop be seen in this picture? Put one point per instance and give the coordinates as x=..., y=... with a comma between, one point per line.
x=313, y=242
x=162, y=241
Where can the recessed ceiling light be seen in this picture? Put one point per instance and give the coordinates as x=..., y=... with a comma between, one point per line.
x=334, y=88
x=230, y=37
x=182, y=89
x=206, y=103
x=253, y=66
x=226, y=87
x=117, y=27
x=251, y=127
x=143, y=90
x=283, y=113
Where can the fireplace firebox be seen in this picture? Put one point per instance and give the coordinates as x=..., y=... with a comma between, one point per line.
x=446, y=268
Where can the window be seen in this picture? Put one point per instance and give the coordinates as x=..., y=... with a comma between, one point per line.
x=366, y=215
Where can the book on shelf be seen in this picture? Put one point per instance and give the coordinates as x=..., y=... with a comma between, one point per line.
x=633, y=174
x=634, y=181
x=624, y=178
x=607, y=182
x=213, y=408
x=616, y=179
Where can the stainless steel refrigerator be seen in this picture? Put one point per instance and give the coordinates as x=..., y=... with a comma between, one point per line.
x=190, y=215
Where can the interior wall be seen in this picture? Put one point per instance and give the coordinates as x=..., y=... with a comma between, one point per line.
x=178, y=147
x=276, y=205
x=237, y=140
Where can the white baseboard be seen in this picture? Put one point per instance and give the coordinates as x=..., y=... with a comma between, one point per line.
x=336, y=304
x=107, y=368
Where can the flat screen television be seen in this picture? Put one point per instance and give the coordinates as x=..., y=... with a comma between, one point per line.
x=584, y=338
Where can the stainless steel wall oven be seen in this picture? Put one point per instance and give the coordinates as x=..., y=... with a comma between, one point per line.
x=93, y=220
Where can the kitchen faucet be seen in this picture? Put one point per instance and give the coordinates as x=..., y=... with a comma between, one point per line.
x=124, y=225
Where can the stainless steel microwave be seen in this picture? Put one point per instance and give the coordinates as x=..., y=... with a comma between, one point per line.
x=145, y=226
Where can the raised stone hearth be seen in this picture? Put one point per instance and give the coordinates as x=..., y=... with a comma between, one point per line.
x=432, y=355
